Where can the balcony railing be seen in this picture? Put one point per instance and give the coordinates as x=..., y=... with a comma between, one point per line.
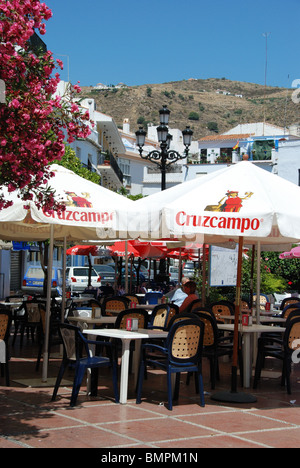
x=109, y=160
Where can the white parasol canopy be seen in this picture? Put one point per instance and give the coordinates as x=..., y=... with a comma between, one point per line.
x=240, y=200
x=92, y=212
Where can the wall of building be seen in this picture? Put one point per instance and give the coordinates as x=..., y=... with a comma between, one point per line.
x=288, y=161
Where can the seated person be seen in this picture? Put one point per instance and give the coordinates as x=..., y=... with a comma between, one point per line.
x=178, y=295
x=190, y=290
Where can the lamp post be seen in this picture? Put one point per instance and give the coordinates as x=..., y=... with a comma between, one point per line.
x=165, y=157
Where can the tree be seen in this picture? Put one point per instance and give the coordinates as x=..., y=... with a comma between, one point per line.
x=33, y=120
x=71, y=162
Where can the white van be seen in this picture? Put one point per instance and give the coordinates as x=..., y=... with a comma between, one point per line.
x=174, y=272
x=77, y=278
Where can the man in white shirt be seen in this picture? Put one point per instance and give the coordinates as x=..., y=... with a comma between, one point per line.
x=178, y=296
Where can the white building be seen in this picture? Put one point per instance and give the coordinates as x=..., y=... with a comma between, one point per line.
x=274, y=148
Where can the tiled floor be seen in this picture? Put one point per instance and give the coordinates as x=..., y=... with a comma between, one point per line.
x=28, y=418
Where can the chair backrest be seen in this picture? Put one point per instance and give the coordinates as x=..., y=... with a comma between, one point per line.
x=292, y=315
x=193, y=305
x=204, y=310
x=291, y=337
x=173, y=311
x=53, y=318
x=185, y=342
x=288, y=301
x=132, y=298
x=94, y=304
x=114, y=304
x=180, y=317
x=244, y=304
x=5, y=322
x=159, y=316
x=289, y=309
x=73, y=341
x=210, y=328
x=152, y=297
x=140, y=314
x=222, y=308
x=263, y=299
x=32, y=311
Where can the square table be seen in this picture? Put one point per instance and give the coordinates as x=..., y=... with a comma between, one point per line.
x=103, y=320
x=126, y=337
x=248, y=333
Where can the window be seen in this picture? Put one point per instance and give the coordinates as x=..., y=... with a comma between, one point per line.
x=124, y=165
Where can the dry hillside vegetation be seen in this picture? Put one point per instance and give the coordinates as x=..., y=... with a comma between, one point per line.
x=199, y=104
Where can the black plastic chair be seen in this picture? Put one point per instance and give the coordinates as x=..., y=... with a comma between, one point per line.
x=133, y=298
x=74, y=345
x=114, y=304
x=159, y=317
x=215, y=345
x=182, y=352
x=136, y=313
x=279, y=348
x=18, y=313
x=5, y=323
x=193, y=305
x=288, y=301
x=222, y=308
x=31, y=320
x=54, y=336
x=180, y=317
x=288, y=309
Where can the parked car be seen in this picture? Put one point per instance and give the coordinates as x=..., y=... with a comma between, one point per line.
x=144, y=272
x=77, y=278
x=133, y=276
x=107, y=274
x=188, y=270
x=174, y=272
x=33, y=280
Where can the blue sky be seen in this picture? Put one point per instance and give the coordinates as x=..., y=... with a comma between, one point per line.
x=157, y=41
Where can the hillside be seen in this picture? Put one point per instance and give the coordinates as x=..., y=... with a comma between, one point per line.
x=201, y=98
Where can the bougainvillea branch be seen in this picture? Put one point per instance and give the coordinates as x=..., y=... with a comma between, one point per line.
x=34, y=121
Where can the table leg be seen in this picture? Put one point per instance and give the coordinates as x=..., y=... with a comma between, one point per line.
x=136, y=361
x=247, y=359
x=124, y=370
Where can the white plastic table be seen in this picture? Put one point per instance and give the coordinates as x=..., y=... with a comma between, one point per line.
x=248, y=333
x=126, y=337
x=103, y=320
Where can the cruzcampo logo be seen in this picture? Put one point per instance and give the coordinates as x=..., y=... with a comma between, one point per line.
x=231, y=203
x=80, y=201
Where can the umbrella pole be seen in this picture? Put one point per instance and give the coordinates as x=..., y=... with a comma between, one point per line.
x=203, y=294
x=236, y=317
x=258, y=283
x=234, y=396
x=64, y=265
x=126, y=267
x=48, y=306
x=251, y=278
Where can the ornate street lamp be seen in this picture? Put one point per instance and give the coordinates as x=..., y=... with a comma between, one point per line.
x=165, y=157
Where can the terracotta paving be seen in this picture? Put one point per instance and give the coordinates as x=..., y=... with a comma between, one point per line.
x=28, y=418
